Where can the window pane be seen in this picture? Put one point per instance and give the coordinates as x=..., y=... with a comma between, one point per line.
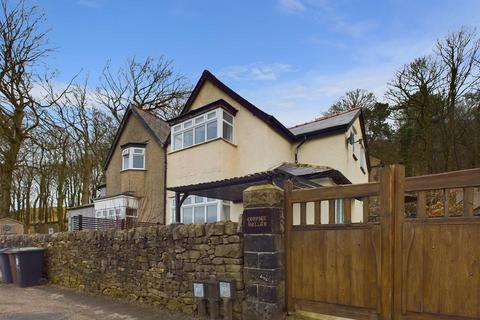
x=199, y=214
x=227, y=132
x=125, y=162
x=211, y=200
x=227, y=117
x=177, y=128
x=138, y=161
x=211, y=130
x=212, y=213
x=177, y=141
x=200, y=134
x=199, y=120
x=199, y=199
x=211, y=115
x=188, y=200
x=138, y=151
x=226, y=212
x=188, y=138
x=111, y=212
x=188, y=124
x=187, y=215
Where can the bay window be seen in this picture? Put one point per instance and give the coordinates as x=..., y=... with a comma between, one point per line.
x=208, y=126
x=197, y=209
x=133, y=158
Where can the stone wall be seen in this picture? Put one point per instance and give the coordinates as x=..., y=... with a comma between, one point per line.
x=154, y=265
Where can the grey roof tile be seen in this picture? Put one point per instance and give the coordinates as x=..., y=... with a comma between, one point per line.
x=329, y=122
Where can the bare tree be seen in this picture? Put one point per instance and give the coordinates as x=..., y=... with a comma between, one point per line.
x=23, y=46
x=459, y=52
x=91, y=130
x=150, y=84
x=353, y=99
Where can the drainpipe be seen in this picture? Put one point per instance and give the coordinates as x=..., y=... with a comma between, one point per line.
x=298, y=147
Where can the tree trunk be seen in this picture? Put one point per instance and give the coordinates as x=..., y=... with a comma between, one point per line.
x=6, y=179
x=87, y=172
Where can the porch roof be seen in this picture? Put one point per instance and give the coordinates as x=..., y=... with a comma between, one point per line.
x=232, y=188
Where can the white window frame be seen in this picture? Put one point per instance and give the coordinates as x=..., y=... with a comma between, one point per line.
x=212, y=116
x=362, y=159
x=200, y=202
x=354, y=148
x=131, y=151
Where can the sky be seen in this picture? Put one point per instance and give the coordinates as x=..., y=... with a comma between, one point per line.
x=291, y=58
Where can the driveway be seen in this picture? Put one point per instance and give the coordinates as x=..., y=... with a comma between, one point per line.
x=53, y=303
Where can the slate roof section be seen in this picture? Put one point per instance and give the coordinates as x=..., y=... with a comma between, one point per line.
x=341, y=121
x=307, y=171
x=158, y=129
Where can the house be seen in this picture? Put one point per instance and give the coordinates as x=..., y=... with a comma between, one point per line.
x=10, y=226
x=196, y=166
x=221, y=144
x=135, y=172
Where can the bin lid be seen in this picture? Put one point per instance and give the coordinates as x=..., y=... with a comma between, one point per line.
x=27, y=249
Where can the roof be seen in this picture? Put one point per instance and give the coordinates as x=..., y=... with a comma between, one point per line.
x=158, y=128
x=232, y=188
x=308, y=171
x=329, y=124
x=337, y=122
x=265, y=117
x=214, y=105
x=81, y=206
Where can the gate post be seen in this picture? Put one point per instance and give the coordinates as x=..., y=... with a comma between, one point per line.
x=264, y=271
x=387, y=224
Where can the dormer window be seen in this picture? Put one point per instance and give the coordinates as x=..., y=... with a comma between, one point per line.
x=133, y=158
x=203, y=128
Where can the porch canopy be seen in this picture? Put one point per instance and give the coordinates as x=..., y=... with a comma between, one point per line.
x=232, y=189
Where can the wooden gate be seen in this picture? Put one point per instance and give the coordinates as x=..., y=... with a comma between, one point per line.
x=401, y=248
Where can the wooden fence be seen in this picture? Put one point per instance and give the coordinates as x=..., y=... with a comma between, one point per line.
x=411, y=253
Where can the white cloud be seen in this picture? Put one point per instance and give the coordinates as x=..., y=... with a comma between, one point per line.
x=291, y=6
x=327, y=13
x=256, y=71
x=308, y=95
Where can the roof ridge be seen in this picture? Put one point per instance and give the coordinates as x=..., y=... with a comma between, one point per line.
x=149, y=111
x=325, y=117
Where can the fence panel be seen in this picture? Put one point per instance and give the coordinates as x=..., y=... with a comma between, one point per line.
x=401, y=248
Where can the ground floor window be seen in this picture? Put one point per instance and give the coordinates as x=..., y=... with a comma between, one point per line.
x=114, y=213
x=197, y=209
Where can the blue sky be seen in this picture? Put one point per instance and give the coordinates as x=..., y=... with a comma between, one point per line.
x=292, y=58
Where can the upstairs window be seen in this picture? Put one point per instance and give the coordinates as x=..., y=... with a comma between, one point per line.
x=133, y=158
x=203, y=128
x=354, y=142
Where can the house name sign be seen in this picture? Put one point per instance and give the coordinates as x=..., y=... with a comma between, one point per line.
x=258, y=220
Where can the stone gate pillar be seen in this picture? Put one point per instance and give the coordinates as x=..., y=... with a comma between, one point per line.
x=264, y=272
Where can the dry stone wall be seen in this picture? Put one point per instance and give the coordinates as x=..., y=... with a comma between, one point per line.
x=154, y=265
